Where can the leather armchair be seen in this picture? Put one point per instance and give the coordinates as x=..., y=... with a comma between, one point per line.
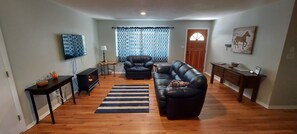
x=138, y=67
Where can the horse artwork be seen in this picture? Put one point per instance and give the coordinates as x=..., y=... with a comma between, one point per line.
x=243, y=39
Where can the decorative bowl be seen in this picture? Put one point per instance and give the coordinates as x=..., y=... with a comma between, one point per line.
x=234, y=64
x=42, y=83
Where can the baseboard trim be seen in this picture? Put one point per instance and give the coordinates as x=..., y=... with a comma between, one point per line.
x=120, y=72
x=283, y=107
x=47, y=112
x=30, y=125
x=262, y=104
x=43, y=115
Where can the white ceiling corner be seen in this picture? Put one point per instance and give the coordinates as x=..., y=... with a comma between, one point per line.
x=161, y=9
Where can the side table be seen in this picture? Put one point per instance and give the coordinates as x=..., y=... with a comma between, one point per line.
x=105, y=65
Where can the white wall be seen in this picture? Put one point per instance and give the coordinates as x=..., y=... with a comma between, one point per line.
x=177, y=35
x=272, y=22
x=285, y=93
x=31, y=31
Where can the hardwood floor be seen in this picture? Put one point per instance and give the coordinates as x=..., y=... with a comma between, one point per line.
x=221, y=114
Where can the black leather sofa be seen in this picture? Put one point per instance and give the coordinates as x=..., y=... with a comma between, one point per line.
x=138, y=67
x=179, y=102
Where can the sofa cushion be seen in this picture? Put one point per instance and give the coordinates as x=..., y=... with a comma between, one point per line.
x=139, y=59
x=138, y=69
x=182, y=70
x=176, y=65
x=161, y=76
x=162, y=82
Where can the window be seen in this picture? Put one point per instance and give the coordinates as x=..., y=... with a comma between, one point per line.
x=197, y=36
x=152, y=41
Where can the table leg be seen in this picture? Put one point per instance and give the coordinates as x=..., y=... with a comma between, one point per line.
x=101, y=68
x=240, y=94
x=221, y=80
x=72, y=91
x=104, y=71
x=34, y=108
x=107, y=69
x=50, y=108
x=113, y=70
x=61, y=96
x=212, y=75
x=255, y=90
x=241, y=89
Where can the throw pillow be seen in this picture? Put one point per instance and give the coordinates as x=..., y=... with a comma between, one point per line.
x=178, y=83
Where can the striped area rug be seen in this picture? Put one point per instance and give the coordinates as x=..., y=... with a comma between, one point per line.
x=126, y=99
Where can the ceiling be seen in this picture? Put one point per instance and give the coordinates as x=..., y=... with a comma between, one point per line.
x=161, y=9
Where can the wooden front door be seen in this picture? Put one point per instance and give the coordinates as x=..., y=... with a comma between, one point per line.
x=196, y=47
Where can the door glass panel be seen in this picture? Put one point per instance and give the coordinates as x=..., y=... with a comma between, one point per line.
x=197, y=37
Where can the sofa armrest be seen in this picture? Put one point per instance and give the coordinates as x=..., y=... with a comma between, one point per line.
x=162, y=68
x=149, y=64
x=128, y=64
x=181, y=92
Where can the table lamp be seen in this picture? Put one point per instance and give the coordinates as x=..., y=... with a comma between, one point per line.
x=104, y=48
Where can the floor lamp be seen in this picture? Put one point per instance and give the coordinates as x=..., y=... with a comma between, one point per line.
x=104, y=48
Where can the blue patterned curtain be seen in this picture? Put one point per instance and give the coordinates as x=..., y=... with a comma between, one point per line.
x=152, y=41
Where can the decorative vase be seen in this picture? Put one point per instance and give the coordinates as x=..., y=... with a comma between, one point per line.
x=54, y=75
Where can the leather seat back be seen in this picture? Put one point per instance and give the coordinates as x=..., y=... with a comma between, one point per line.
x=139, y=59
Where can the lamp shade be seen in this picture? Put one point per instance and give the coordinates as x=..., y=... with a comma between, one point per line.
x=103, y=48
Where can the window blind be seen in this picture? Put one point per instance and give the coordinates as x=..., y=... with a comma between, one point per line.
x=152, y=41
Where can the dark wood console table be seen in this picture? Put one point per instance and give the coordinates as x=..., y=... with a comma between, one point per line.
x=53, y=85
x=243, y=79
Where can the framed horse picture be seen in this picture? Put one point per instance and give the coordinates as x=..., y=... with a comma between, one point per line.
x=243, y=39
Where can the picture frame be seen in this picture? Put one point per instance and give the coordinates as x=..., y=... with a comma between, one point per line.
x=243, y=39
x=257, y=70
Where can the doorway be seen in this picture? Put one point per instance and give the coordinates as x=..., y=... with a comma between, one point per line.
x=196, y=48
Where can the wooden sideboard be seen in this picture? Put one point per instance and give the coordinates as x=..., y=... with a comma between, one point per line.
x=243, y=79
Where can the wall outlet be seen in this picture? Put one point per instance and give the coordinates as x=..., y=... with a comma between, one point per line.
x=57, y=93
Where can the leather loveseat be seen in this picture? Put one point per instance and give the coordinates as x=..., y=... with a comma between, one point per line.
x=179, y=102
x=138, y=67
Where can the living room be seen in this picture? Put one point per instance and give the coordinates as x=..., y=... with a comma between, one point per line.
x=31, y=31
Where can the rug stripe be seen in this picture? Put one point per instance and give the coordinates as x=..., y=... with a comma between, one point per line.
x=125, y=107
x=130, y=86
x=125, y=102
x=122, y=111
x=129, y=90
x=128, y=93
x=126, y=99
x=123, y=97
